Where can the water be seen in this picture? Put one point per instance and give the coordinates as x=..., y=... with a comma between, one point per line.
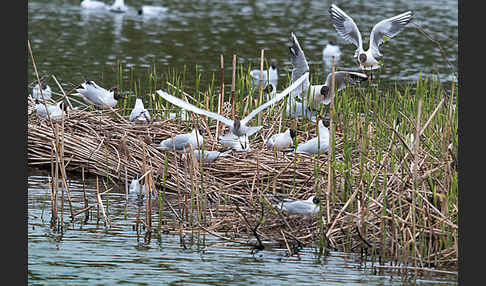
x=92, y=254
x=71, y=43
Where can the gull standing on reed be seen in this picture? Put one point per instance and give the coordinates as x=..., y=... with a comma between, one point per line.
x=303, y=207
x=181, y=142
x=92, y=4
x=46, y=91
x=282, y=140
x=98, y=96
x=234, y=142
x=209, y=156
x=268, y=76
x=118, y=6
x=237, y=127
x=383, y=30
x=318, y=144
x=139, y=114
x=55, y=111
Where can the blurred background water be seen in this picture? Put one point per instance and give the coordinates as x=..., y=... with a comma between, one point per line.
x=71, y=43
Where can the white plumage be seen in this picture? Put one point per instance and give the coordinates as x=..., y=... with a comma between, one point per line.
x=152, y=10
x=347, y=29
x=92, y=4
x=282, y=140
x=98, y=96
x=181, y=142
x=55, y=111
x=46, y=91
x=118, y=6
x=318, y=144
x=139, y=114
x=303, y=207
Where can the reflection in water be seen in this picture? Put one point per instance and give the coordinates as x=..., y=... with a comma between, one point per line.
x=87, y=252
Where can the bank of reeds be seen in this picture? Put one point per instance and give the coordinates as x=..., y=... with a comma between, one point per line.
x=381, y=193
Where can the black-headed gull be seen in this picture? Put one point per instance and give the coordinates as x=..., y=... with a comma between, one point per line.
x=139, y=114
x=298, y=107
x=270, y=90
x=321, y=93
x=239, y=144
x=318, y=144
x=318, y=93
x=281, y=141
x=152, y=10
x=300, y=66
x=303, y=207
x=329, y=51
x=134, y=188
x=268, y=76
x=388, y=28
x=46, y=91
x=181, y=142
x=118, y=6
x=208, y=156
x=93, y=4
x=98, y=96
x=237, y=127
x=55, y=111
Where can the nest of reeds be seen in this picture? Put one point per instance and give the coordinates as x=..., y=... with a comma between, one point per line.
x=368, y=206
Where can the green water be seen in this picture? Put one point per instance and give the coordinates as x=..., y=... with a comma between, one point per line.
x=90, y=254
x=71, y=43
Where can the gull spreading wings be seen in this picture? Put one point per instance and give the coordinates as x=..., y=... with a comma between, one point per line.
x=348, y=30
x=237, y=127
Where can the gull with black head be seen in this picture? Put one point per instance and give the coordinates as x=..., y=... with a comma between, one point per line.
x=385, y=29
x=237, y=127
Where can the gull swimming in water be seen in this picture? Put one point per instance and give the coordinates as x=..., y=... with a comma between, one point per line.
x=268, y=76
x=92, y=4
x=237, y=127
x=303, y=207
x=46, y=91
x=282, y=140
x=139, y=114
x=385, y=29
x=118, y=6
x=55, y=111
x=98, y=96
x=319, y=144
x=181, y=142
x=152, y=10
x=329, y=51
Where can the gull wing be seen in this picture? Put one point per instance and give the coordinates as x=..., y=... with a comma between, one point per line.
x=343, y=78
x=274, y=100
x=345, y=26
x=389, y=27
x=297, y=58
x=189, y=107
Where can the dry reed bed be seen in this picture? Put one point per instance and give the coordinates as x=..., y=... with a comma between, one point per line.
x=363, y=217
